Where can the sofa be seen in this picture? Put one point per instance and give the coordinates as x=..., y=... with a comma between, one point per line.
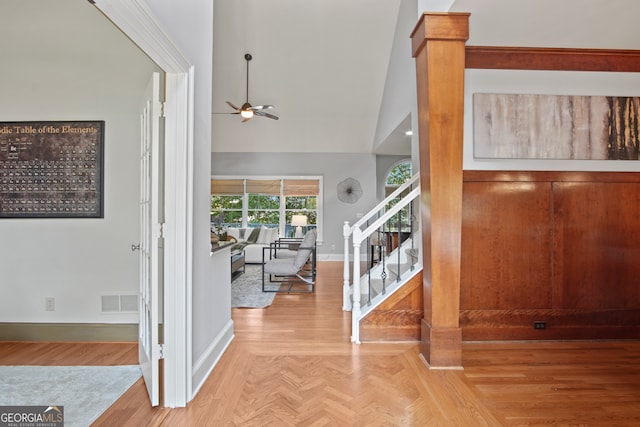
x=252, y=240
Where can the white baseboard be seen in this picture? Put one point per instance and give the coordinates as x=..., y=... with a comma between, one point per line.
x=330, y=257
x=338, y=257
x=210, y=358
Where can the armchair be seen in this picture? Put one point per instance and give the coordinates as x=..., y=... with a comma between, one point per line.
x=290, y=264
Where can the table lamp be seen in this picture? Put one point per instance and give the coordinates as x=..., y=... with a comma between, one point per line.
x=299, y=221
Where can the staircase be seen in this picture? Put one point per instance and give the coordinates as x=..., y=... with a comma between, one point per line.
x=385, y=244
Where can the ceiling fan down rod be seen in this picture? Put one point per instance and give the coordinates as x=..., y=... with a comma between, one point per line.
x=247, y=57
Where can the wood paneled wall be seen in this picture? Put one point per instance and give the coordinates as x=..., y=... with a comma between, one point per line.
x=477, y=285
x=557, y=247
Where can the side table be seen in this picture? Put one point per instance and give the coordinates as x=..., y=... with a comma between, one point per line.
x=237, y=263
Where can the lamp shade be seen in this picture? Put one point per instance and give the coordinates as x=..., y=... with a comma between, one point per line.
x=299, y=220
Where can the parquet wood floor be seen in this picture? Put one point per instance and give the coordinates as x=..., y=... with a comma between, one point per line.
x=292, y=365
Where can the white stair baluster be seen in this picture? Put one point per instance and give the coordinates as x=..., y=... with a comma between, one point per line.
x=346, y=286
x=356, y=312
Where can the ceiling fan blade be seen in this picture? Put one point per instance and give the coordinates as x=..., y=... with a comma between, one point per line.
x=246, y=119
x=232, y=106
x=234, y=113
x=261, y=107
x=263, y=114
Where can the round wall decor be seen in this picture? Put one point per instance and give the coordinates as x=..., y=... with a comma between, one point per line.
x=349, y=190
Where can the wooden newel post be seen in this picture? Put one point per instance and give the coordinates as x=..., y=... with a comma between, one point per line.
x=438, y=44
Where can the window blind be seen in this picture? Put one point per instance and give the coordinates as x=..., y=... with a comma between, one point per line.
x=301, y=187
x=290, y=187
x=228, y=187
x=264, y=186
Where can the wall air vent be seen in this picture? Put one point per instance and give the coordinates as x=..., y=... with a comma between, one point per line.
x=119, y=303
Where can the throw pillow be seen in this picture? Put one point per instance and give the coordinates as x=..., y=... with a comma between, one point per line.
x=263, y=236
x=273, y=235
x=233, y=232
x=253, y=236
x=267, y=235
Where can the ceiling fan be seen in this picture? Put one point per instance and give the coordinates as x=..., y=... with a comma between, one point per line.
x=247, y=111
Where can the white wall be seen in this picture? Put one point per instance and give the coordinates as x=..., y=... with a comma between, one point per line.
x=63, y=60
x=189, y=23
x=598, y=24
x=399, y=98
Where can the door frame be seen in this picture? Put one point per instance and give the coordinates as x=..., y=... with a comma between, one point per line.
x=136, y=21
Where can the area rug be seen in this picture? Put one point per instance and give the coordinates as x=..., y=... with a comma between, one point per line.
x=85, y=392
x=246, y=289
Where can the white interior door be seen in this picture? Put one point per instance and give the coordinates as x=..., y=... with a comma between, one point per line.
x=151, y=240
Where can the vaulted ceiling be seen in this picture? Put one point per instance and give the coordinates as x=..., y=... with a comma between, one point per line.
x=323, y=63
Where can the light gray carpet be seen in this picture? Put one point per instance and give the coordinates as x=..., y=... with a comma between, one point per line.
x=246, y=289
x=84, y=391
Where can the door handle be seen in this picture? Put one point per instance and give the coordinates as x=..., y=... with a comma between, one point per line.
x=135, y=247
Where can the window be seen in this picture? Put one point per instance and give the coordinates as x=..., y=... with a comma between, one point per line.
x=227, y=202
x=263, y=209
x=266, y=201
x=300, y=205
x=227, y=209
x=398, y=175
x=301, y=198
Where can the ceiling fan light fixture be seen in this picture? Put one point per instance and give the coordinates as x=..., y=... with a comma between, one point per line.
x=247, y=111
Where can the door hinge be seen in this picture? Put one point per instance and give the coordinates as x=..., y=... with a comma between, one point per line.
x=163, y=109
x=158, y=351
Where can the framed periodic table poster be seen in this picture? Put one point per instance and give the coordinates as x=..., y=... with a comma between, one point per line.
x=52, y=169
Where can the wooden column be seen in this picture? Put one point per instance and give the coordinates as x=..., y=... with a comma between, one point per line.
x=438, y=43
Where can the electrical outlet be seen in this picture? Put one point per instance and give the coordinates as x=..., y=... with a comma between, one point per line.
x=50, y=304
x=539, y=325
x=333, y=247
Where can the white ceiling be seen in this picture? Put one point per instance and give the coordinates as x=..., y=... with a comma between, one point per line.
x=321, y=63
